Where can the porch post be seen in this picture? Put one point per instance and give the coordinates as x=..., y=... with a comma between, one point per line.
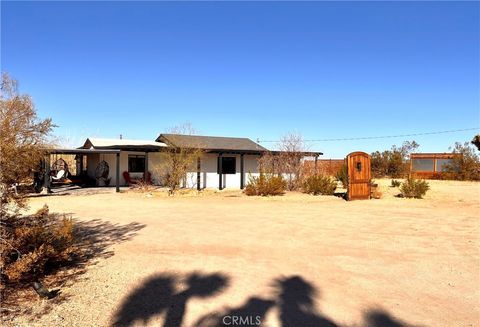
x=316, y=159
x=81, y=165
x=46, y=180
x=145, y=174
x=220, y=171
x=242, y=172
x=198, y=174
x=117, y=182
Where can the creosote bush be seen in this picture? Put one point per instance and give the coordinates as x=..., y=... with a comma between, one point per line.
x=414, y=188
x=342, y=175
x=393, y=162
x=318, y=184
x=32, y=243
x=265, y=184
x=395, y=183
x=465, y=165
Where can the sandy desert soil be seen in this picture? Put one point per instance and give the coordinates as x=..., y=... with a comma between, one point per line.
x=299, y=260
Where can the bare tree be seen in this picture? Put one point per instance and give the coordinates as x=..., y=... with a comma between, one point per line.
x=177, y=161
x=289, y=161
x=23, y=140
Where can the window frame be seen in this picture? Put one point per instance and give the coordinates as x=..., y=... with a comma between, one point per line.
x=135, y=156
x=416, y=160
x=232, y=171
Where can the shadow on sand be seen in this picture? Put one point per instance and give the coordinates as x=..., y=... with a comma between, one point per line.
x=293, y=298
x=159, y=295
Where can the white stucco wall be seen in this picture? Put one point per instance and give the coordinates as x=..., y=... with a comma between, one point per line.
x=208, y=176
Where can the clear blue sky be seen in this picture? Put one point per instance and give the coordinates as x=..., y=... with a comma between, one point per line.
x=254, y=69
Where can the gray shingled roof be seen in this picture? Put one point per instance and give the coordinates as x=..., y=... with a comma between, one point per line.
x=212, y=143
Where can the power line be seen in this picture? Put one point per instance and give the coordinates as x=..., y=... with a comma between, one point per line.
x=382, y=137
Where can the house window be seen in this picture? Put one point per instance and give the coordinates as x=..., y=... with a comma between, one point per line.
x=422, y=164
x=136, y=164
x=228, y=165
x=443, y=164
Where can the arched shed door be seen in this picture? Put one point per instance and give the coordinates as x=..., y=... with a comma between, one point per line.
x=359, y=175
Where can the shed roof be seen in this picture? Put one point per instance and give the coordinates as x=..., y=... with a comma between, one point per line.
x=212, y=143
x=122, y=144
x=437, y=155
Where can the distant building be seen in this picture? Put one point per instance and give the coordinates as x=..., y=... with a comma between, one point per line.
x=430, y=165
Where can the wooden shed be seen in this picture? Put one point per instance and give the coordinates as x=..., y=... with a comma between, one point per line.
x=430, y=165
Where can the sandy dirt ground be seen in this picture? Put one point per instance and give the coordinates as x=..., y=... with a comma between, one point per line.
x=296, y=260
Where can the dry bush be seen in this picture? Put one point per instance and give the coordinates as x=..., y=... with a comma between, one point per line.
x=23, y=140
x=395, y=183
x=32, y=243
x=465, y=164
x=265, y=184
x=177, y=162
x=142, y=186
x=342, y=176
x=393, y=162
x=269, y=163
x=318, y=184
x=414, y=188
x=289, y=160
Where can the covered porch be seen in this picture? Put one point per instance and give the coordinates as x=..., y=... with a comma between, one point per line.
x=59, y=172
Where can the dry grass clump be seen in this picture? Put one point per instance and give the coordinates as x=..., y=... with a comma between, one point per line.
x=266, y=184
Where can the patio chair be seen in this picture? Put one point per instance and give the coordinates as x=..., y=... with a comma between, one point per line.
x=61, y=174
x=127, y=178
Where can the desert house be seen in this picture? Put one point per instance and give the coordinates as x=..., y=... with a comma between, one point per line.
x=225, y=162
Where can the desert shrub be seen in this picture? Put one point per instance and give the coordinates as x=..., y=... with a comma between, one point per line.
x=342, y=175
x=266, y=184
x=142, y=186
x=393, y=162
x=318, y=184
x=30, y=244
x=395, y=183
x=414, y=188
x=465, y=164
x=23, y=140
